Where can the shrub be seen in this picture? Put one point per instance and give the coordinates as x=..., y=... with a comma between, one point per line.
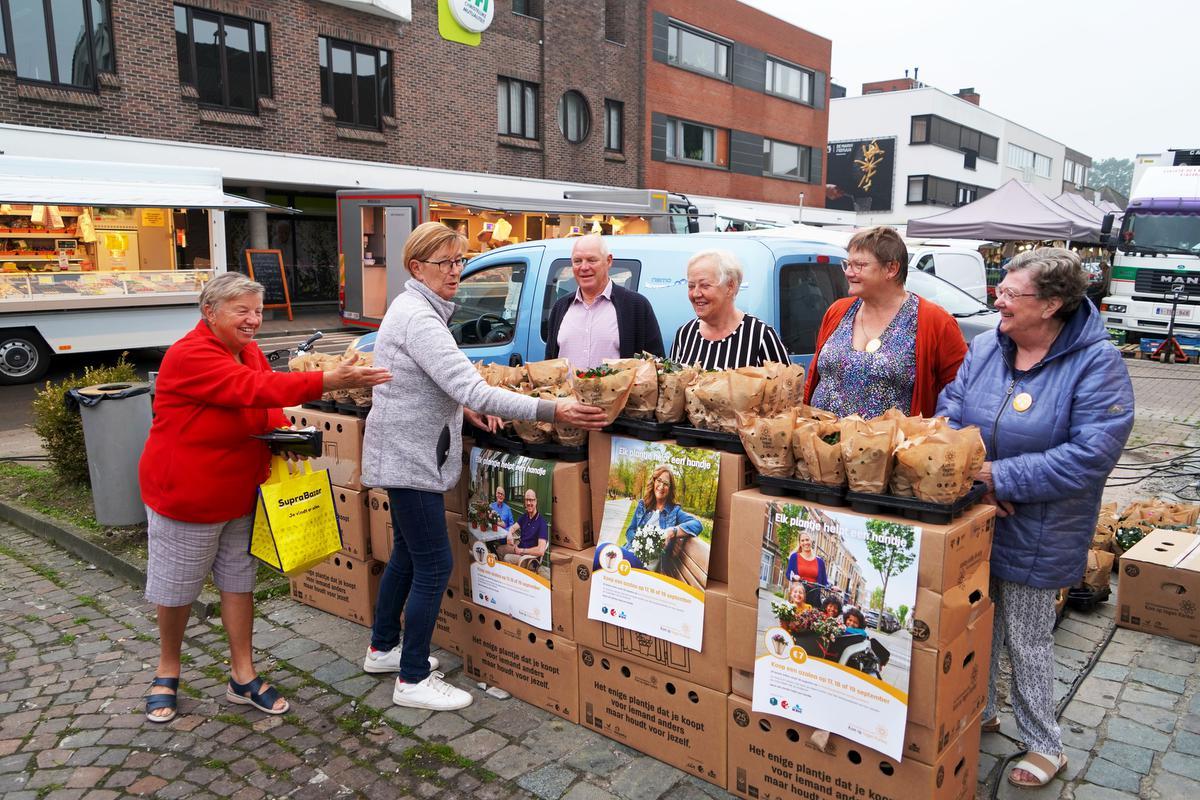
x=61, y=429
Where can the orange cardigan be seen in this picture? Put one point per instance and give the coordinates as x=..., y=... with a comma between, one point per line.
x=940, y=351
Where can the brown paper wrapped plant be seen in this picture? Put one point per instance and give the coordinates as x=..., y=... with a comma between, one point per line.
x=643, y=396
x=604, y=387
x=768, y=442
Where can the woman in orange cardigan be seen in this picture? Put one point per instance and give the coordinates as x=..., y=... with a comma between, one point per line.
x=882, y=347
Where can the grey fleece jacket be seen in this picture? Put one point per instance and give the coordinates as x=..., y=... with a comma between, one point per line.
x=413, y=438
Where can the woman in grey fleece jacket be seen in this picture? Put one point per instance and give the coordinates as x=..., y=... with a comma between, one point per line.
x=413, y=448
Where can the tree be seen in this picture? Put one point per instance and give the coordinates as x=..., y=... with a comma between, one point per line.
x=890, y=551
x=902, y=614
x=1116, y=173
x=877, y=598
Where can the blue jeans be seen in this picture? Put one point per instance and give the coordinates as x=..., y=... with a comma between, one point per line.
x=419, y=527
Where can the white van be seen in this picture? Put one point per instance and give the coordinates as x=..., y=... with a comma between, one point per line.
x=960, y=265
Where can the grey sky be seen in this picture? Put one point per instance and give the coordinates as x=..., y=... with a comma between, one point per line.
x=1107, y=78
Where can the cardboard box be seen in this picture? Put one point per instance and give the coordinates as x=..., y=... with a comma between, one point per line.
x=949, y=553
x=736, y=474
x=354, y=520
x=562, y=584
x=450, y=632
x=663, y=716
x=379, y=522
x=530, y=664
x=939, y=618
x=341, y=444
x=707, y=668
x=345, y=587
x=571, y=514
x=947, y=688
x=771, y=758
x=1158, y=590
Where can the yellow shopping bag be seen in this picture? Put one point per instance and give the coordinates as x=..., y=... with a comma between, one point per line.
x=295, y=525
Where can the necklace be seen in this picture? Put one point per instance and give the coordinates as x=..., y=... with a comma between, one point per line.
x=874, y=342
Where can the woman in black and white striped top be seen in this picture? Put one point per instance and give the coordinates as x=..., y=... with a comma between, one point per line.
x=722, y=336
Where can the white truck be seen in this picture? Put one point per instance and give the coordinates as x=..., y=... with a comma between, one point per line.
x=1157, y=263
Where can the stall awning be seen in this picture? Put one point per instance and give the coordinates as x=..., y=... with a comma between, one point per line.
x=533, y=205
x=53, y=181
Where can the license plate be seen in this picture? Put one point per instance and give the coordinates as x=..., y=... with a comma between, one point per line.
x=1181, y=312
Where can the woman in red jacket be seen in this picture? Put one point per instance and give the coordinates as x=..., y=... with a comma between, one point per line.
x=200, y=472
x=882, y=347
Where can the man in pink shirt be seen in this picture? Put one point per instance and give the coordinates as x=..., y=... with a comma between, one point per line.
x=601, y=320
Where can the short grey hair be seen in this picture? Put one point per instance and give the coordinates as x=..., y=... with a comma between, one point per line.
x=601, y=245
x=227, y=286
x=1056, y=273
x=729, y=270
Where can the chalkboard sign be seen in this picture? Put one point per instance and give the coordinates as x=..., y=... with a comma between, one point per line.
x=266, y=267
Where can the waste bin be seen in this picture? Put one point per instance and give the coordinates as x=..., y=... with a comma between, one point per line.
x=116, y=422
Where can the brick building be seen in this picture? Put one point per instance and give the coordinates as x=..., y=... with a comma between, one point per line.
x=353, y=87
x=736, y=103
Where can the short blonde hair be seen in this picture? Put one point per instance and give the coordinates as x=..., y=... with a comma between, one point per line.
x=227, y=286
x=429, y=237
x=729, y=270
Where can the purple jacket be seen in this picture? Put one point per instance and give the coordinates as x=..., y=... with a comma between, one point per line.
x=1052, y=460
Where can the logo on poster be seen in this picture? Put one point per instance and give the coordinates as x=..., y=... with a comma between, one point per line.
x=474, y=15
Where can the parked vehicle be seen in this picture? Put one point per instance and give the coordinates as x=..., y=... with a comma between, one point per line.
x=958, y=265
x=974, y=317
x=889, y=623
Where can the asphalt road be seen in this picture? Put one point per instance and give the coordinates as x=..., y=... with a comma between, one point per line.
x=17, y=438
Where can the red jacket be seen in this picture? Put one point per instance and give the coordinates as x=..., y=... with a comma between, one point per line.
x=940, y=350
x=199, y=463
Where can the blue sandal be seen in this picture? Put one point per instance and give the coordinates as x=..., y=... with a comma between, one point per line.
x=161, y=700
x=250, y=694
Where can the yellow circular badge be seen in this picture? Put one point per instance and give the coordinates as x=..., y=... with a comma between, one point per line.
x=798, y=655
x=624, y=567
x=874, y=345
x=1022, y=402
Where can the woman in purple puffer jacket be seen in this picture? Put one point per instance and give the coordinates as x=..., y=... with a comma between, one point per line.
x=1055, y=405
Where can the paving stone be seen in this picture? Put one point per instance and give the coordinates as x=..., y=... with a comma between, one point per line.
x=1159, y=718
x=338, y=670
x=599, y=758
x=1084, y=713
x=1099, y=692
x=1093, y=792
x=1130, y=732
x=1107, y=774
x=644, y=779
x=360, y=685
x=1170, y=786
x=1110, y=672
x=1119, y=654
x=558, y=737
x=549, y=782
x=480, y=743
x=1076, y=760
x=1137, y=693
x=1159, y=680
x=588, y=791
x=411, y=717
x=443, y=726
x=1137, y=759
x=514, y=760
x=1162, y=663
x=1187, y=742
x=1180, y=764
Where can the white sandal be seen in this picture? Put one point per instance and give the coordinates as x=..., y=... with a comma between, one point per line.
x=1044, y=768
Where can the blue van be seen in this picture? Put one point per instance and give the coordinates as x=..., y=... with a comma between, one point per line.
x=505, y=295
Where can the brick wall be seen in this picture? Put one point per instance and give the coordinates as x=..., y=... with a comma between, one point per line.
x=679, y=93
x=445, y=93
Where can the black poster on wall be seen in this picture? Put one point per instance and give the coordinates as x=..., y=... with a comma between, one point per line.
x=860, y=175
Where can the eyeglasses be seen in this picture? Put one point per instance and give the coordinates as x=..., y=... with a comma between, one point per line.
x=855, y=266
x=663, y=482
x=448, y=264
x=1008, y=294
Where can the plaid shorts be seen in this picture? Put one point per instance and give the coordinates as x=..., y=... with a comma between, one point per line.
x=182, y=554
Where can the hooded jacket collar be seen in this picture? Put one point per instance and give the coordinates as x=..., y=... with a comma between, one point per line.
x=443, y=308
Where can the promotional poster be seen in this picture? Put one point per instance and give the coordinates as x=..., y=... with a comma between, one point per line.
x=652, y=551
x=859, y=174
x=834, y=649
x=508, y=517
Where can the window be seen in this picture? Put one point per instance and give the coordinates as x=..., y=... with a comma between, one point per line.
x=806, y=291
x=356, y=82
x=786, y=160
x=488, y=301
x=916, y=189
x=528, y=8
x=64, y=42
x=614, y=126
x=624, y=272
x=1042, y=165
x=225, y=58
x=695, y=50
x=574, y=117
x=614, y=21
x=788, y=81
x=932, y=190
x=691, y=142
x=516, y=108
x=920, y=130
x=931, y=129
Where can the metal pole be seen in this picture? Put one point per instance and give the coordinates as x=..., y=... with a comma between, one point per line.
x=800, y=215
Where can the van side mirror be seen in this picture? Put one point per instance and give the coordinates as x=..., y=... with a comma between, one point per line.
x=1106, y=228
x=693, y=219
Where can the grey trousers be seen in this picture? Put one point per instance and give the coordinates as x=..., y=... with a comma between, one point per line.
x=1025, y=625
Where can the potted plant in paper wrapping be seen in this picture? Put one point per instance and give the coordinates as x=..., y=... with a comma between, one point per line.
x=809, y=626
x=647, y=543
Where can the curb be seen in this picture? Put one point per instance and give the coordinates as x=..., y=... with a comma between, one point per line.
x=75, y=541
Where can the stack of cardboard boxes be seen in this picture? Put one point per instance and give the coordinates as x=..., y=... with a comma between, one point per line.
x=951, y=631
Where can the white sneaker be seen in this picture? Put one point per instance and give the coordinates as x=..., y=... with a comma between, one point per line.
x=387, y=660
x=433, y=693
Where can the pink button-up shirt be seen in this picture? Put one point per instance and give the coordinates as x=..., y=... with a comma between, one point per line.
x=588, y=333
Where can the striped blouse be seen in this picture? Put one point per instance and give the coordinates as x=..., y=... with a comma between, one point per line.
x=752, y=343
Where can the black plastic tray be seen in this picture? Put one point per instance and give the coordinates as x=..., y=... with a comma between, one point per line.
x=804, y=490
x=327, y=406
x=713, y=440
x=644, y=429
x=353, y=409
x=509, y=444
x=1086, y=598
x=912, y=508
